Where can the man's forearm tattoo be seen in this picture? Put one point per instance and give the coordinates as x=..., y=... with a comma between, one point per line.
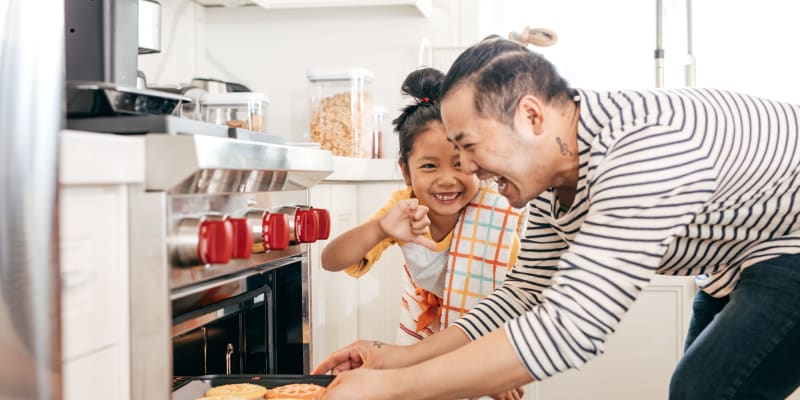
x=377, y=344
x=563, y=146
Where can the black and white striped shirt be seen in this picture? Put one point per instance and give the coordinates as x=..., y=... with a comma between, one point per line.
x=678, y=182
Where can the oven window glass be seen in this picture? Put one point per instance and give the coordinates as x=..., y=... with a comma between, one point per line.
x=263, y=325
x=288, y=292
x=219, y=335
x=256, y=334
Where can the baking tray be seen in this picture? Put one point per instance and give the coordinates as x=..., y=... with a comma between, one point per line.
x=192, y=387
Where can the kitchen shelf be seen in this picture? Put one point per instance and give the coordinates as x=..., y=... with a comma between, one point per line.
x=424, y=7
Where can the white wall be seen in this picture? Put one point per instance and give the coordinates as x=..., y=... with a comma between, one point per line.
x=602, y=45
x=749, y=46
x=182, y=31
x=271, y=50
x=738, y=44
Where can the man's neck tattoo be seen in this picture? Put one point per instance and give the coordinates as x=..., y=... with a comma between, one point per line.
x=563, y=146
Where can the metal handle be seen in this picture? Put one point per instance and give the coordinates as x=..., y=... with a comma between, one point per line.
x=228, y=359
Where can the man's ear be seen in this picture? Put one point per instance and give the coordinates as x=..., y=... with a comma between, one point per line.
x=404, y=170
x=530, y=114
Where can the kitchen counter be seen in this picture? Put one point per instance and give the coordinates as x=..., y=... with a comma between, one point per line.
x=96, y=158
x=349, y=169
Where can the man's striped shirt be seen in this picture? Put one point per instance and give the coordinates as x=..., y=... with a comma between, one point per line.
x=679, y=182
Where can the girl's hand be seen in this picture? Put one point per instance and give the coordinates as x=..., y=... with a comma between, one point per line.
x=408, y=221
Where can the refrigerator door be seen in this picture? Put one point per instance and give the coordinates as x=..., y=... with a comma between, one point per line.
x=31, y=104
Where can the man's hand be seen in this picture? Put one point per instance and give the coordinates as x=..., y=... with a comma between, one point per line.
x=408, y=221
x=365, y=384
x=513, y=394
x=363, y=353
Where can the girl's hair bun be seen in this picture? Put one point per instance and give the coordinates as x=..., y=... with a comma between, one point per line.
x=425, y=85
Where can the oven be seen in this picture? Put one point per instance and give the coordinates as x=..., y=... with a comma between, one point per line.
x=219, y=263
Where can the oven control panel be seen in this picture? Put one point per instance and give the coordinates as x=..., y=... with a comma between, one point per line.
x=216, y=238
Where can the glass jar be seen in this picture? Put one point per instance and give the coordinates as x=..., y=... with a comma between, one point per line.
x=378, y=114
x=341, y=111
x=246, y=110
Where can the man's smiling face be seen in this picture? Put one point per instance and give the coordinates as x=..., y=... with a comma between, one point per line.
x=512, y=156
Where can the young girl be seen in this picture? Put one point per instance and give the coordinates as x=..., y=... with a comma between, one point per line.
x=458, y=235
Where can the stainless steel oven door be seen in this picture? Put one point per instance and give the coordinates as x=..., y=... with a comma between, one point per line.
x=249, y=324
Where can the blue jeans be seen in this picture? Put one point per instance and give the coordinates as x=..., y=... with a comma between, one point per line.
x=746, y=346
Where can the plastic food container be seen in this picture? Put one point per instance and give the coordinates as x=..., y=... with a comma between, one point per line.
x=246, y=110
x=341, y=111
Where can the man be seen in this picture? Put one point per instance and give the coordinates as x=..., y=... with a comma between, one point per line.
x=622, y=185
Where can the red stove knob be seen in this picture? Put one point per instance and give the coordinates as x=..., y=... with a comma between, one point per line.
x=275, y=231
x=242, y=238
x=215, y=244
x=323, y=223
x=306, y=226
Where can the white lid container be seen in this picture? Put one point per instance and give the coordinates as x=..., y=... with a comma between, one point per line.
x=341, y=110
x=247, y=110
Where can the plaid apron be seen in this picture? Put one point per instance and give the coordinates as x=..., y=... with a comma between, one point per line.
x=480, y=253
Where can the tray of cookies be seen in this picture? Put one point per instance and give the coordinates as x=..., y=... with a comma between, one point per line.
x=250, y=387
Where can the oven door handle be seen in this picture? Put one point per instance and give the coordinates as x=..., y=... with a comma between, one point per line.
x=228, y=354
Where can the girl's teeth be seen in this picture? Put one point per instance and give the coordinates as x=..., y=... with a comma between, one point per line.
x=446, y=197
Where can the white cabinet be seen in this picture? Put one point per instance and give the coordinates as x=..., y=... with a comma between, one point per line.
x=346, y=309
x=95, y=318
x=96, y=376
x=639, y=357
x=379, y=291
x=334, y=295
x=94, y=177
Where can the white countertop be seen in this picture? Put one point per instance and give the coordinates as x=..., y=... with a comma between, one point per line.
x=95, y=158
x=92, y=158
x=350, y=169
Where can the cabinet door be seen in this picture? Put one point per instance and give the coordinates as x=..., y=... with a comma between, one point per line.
x=94, y=280
x=379, y=291
x=94, y=258
x=639, y=357
x=334, y=294
x=96, y=376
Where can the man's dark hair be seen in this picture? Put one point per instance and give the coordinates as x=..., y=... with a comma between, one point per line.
x=502, y=72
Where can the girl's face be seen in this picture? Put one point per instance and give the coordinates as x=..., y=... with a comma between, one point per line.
x=434, y=173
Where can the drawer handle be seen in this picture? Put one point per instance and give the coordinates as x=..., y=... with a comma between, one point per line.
x=74, y=279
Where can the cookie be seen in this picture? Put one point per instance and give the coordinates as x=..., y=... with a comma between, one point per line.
x=295, y=391
x=247, y=391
